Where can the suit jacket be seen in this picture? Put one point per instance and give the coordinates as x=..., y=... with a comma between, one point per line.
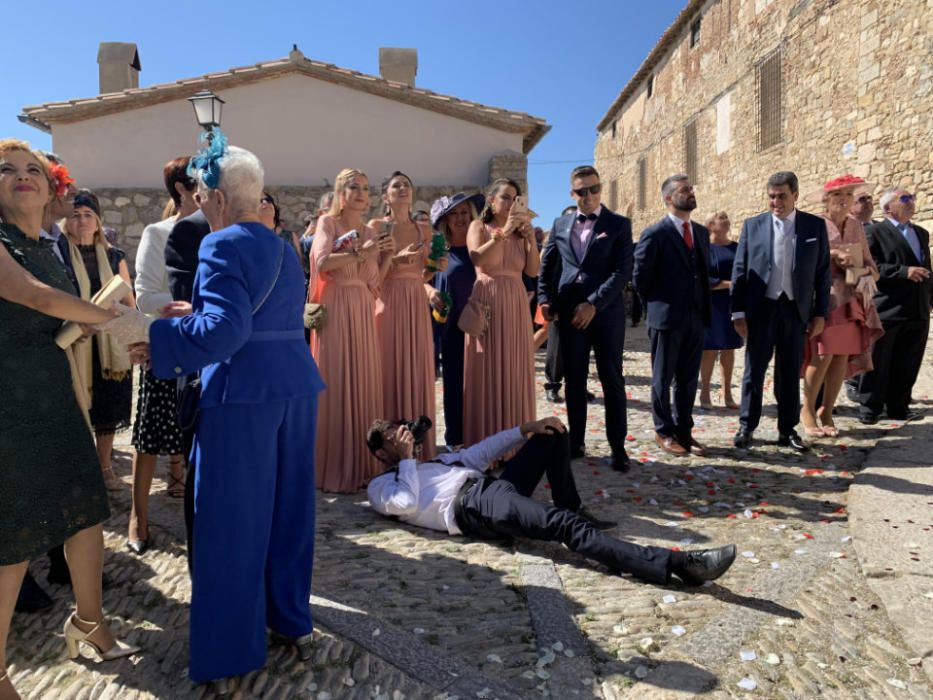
x=666, y=280
x=754, y=258
x=246, y=358
x=181, y=254
x=604, y=269
x=898, y=298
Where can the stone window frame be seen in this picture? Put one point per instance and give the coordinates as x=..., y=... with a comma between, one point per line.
x=642, y=194
x=691, y=150
x=769, y=94
x=695, y=32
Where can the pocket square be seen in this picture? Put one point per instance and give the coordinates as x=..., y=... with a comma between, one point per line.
x=811, y=240
x=602, y=235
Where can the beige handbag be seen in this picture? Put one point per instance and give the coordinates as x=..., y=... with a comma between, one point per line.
x=474, y=319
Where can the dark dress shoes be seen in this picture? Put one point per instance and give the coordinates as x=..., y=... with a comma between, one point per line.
x=704, y=565
x=590, y=397
x=693, y=446
x=621, y=463
x=598, y=523
x=793, y=441
x=31, y=597
x=909, y=415
x=868, y=418
x=139, y=547
x=670, y=445
x=577, y=452
x=742, y=439
x=553, y=395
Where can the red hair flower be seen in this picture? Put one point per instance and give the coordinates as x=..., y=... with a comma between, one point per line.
x=62, y=178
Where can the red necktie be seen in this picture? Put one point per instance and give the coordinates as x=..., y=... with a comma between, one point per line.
x=688, y=237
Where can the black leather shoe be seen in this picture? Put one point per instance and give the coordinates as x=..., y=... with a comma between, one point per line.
x=31, y=597
x=553, y=395
x=577, y=452
x=598, y=523
x=139, y=547
x=742, y=439
x=621, y=463
x=590, y=397
x=704, y=565
x=794, y=441
x=908, y=416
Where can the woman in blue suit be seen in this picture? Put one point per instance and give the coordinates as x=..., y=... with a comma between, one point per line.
x=253, y=451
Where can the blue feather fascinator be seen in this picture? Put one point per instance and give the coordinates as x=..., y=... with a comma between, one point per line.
x=207, y=161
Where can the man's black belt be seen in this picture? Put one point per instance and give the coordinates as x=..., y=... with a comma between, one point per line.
x=459, y=511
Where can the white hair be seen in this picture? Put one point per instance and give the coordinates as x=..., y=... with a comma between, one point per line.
x=889, y=195
x=241, y=178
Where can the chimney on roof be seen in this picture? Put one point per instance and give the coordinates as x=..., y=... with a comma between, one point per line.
x=398, y=65
x=119, y=66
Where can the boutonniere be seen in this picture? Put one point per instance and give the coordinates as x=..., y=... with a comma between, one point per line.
x=602, y=235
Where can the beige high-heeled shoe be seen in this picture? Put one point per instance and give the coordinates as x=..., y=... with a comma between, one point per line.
x=75, y=637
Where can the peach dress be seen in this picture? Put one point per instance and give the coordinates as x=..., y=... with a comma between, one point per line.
x=347, y=354
x=499, y=371
x=406, y=343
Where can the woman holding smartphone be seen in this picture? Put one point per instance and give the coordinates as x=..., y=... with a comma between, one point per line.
x=403, y=316
x=346, y=350
x=498, y=377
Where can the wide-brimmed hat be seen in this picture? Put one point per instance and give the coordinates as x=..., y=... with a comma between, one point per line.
x=444, y=205
x=842, y=182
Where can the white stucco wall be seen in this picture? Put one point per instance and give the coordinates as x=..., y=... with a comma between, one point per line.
x=303, y=130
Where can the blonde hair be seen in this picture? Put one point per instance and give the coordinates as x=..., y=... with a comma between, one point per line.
x=343, y=179
x=10, y=144
x=442, y=224
x=169, y=209
x=712, y=218
x=99, y=237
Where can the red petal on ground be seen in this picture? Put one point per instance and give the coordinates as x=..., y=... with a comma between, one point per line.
x=637, y=499
x=731, y=516
x=813, y=472
x=807, y=535
x=630, y=438
x=687, y=514
x=842, y=509
x=763, y=503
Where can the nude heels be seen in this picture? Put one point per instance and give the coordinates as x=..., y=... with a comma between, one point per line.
x=75, y=637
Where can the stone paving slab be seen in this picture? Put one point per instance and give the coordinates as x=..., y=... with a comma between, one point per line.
x=493, y=609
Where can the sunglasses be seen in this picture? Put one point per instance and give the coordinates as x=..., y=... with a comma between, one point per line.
x=864, y=199
x=266, y=200
x=592, y=189
x=906, y=198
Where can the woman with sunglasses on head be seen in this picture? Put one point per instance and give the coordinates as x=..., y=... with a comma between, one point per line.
x=499, y=372
x=103, y=362
x=52, y=491
x=345, y=275
x=403, y=317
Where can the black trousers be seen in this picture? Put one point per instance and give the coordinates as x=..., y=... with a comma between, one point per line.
x=776, y=329
x=897, y=356
x=675, y=362
x=451, y=346
x=503, y=508
x=605, y=336
x=553, y=362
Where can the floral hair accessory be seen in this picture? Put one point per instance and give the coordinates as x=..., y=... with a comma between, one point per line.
x=62, y=178
x=206, y=162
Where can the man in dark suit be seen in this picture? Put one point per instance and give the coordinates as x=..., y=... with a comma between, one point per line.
x=780, y=291
x=585, y=265
x=181, y=264
x=901, y=250
x=672, y=276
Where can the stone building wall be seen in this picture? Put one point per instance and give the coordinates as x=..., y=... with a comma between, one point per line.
x=857, y=84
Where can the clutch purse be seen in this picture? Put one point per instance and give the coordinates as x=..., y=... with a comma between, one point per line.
x=474, y=319
x=315, y=316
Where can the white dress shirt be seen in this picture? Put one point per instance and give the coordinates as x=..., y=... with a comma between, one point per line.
x=424, y=494
x=53, y=235
x=151, y=277
x=679, y=225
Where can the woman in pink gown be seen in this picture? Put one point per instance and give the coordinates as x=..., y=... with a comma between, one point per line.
x=498, y=376
x=843, y=349
x=403, y=316
x=346, y=349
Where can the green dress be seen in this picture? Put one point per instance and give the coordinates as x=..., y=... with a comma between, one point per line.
x=51, y=481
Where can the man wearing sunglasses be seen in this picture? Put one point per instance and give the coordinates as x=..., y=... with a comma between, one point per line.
x=901, y=250
x=584, y=268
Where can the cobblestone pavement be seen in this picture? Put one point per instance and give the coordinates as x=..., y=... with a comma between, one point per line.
x=406, y=613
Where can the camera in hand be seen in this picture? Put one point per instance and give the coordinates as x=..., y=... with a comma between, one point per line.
x=418, y=427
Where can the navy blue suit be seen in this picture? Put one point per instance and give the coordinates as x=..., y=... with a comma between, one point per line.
x=673, y=281
x=253, y=447
x=181, y=254
x=598, y=278
x=777, y=327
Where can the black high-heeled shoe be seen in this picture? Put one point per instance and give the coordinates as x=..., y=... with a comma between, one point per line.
x=138, y=546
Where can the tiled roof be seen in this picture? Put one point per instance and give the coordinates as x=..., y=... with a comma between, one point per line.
x=50, y=113
x=668, y=39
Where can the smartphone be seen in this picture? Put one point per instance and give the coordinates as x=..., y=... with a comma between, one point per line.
x=520, y=206
x=345, y=240
x=385, y=229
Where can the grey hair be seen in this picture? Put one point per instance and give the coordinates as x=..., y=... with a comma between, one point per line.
x=889, y=195
x=669, y=185
x=325, y=201
x=241, y=179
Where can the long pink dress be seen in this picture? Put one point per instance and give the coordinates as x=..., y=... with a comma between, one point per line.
x=499, y=372
x=406, y=342
x=347, y=354
x=851, y=326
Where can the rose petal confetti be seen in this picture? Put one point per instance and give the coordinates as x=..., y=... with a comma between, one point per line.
x=669, y=599
x=747, y=684
x=678, y=631
x=747, y=655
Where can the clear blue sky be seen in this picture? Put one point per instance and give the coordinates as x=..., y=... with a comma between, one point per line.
x=562, y=60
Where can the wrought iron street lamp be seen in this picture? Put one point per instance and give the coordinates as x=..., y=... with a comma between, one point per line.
x=207, y=109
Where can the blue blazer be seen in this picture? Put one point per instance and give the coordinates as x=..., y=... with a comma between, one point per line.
x=754, y=256
x=664, y=277
x=605, y=268
x=244, y=358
